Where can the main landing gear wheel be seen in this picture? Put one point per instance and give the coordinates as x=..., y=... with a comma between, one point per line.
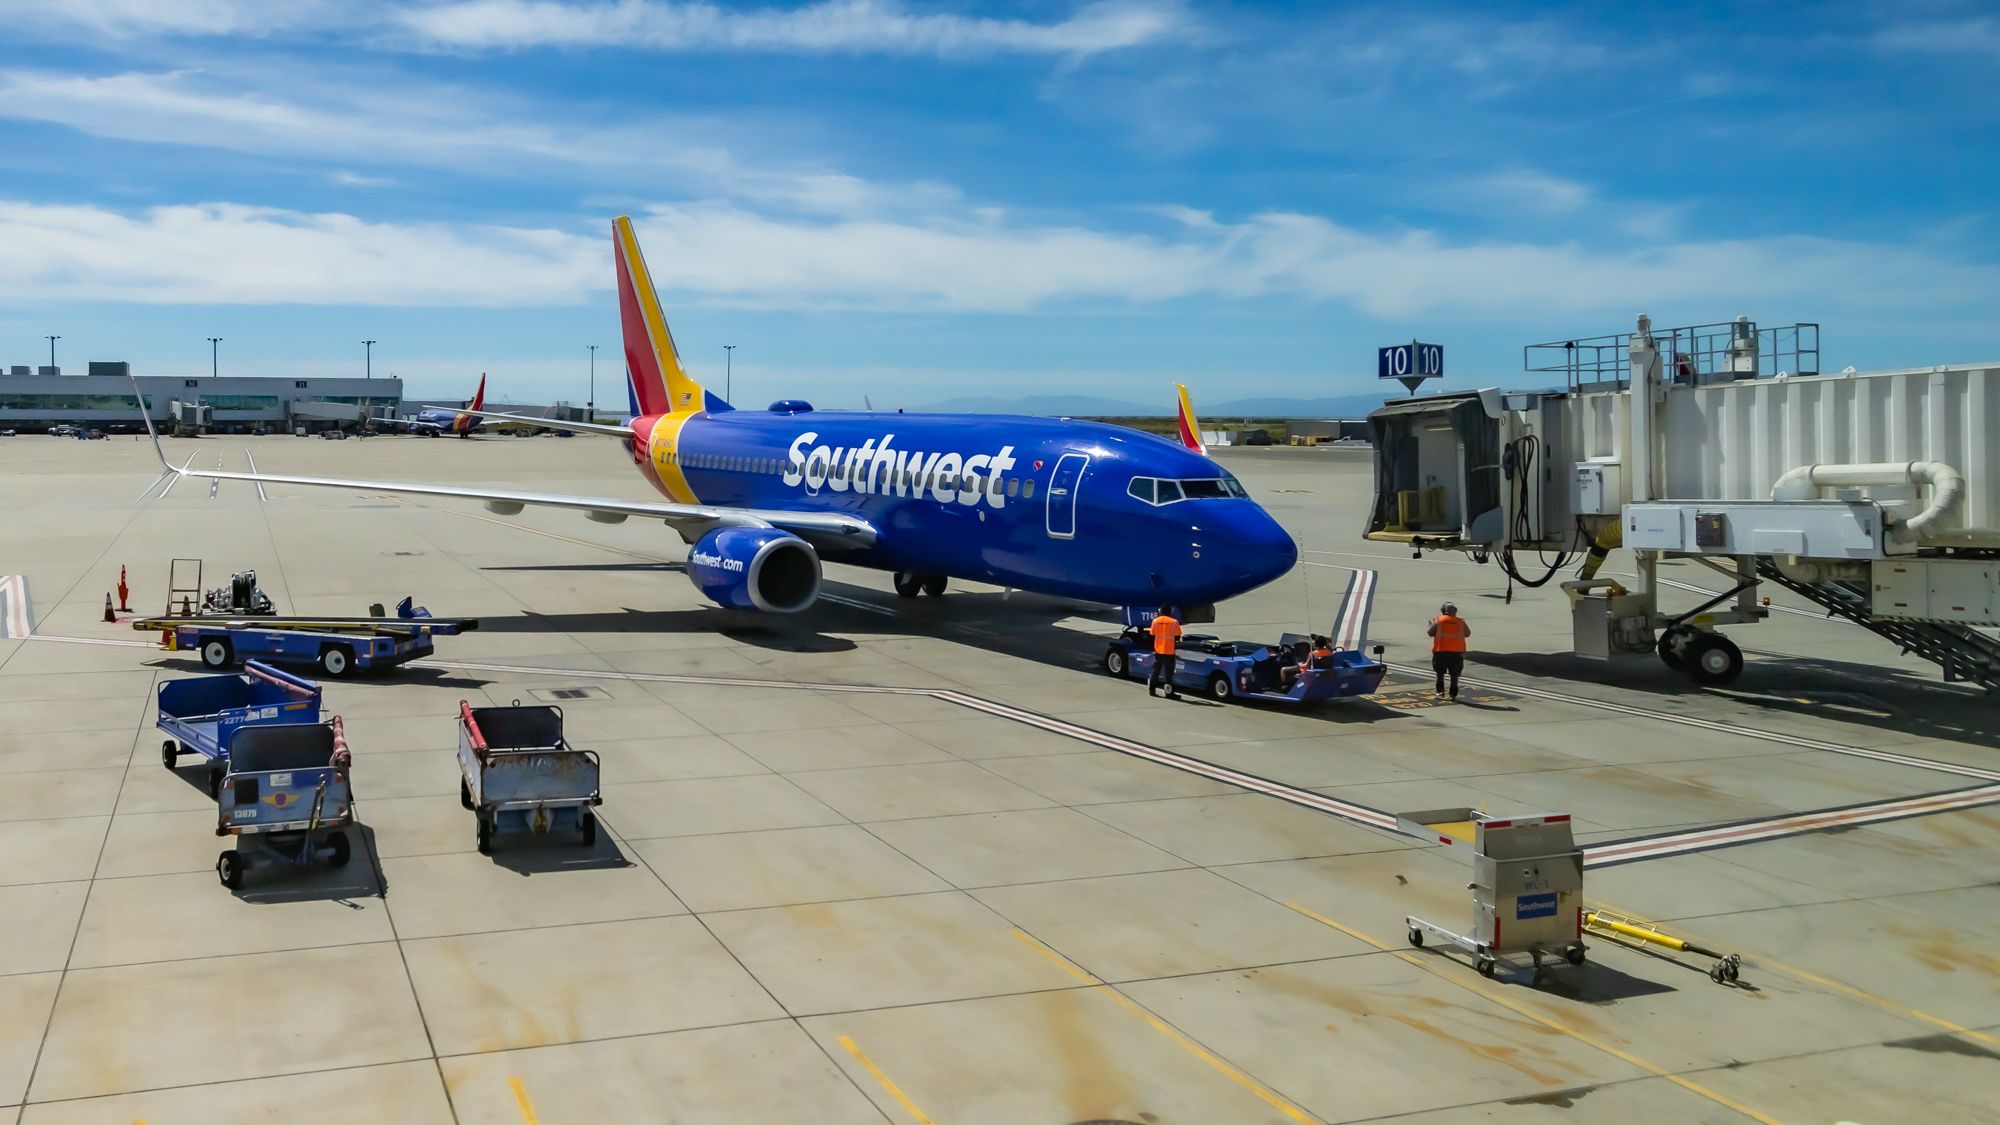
x=1714, y=659
x=1219, y=686
x=934, y=585
x=1114, y=661
x=908, y=585
x=1674, y=645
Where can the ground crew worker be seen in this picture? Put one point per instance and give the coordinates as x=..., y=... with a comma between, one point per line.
x=1322, y=650
x=1166, y=642
x=1448, y=632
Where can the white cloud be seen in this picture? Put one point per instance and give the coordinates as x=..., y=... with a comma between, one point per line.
x=1530, y=189
x=175, y=17
x=225, y=253
x=837, y=26
x=1979, y=36
x=720, y=253
x=345, y=178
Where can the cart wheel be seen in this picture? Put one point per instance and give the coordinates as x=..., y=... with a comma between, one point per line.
x=1486, y=967
x=1732, y=972
x=229, y=869
x=339, y=849
x=1574, y=954
x=1219, y=686
x=1416, y=937
x=170, y=754
x=464, y=793
x=214, y=781
x=1114, y=661
x=485, y=835
x=217, y=653
x=336, y=660
x=1717, y=973
x=589, y=824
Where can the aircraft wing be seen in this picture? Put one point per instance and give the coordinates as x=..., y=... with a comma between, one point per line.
x=827, y=529
x=553, y=423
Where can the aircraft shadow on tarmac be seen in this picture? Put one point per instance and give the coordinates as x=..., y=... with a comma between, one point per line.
x=1828, y=689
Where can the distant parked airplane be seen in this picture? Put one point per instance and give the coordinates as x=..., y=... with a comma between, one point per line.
x=1073, y=509
x=435, y=421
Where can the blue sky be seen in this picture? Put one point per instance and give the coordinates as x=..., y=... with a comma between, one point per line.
x=920, y=202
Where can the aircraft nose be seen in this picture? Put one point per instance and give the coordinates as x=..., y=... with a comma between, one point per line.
x=1257, y=549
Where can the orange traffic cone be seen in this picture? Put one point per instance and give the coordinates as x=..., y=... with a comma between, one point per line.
x=109, y=614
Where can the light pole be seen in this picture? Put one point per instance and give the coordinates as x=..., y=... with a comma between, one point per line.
x=590, y=404
x=52, y=351
x=212, y=362
x=728, y=371
x=368, y=358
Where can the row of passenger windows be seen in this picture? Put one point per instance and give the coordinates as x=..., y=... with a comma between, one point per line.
x=910, y=479
x=1155, y=491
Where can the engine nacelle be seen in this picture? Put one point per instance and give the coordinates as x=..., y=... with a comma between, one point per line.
x=758, y=568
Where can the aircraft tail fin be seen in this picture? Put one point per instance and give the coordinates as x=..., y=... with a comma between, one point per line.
x=658, y=383
x=1190, y=429
x=479, y=396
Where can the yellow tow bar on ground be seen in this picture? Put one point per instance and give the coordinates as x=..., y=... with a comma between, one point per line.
x=1631, y=931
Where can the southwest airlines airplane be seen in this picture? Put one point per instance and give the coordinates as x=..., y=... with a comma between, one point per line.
x=433, y=421
x=1072, y=509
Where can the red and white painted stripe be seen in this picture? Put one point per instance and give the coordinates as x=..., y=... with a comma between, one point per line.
x=1351, y=631
x=1750, y=832
x=14, y=620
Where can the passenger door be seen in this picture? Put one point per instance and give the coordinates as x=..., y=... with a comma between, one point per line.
x=1062, y=495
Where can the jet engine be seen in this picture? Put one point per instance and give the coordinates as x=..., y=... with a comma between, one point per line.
x=758, y=568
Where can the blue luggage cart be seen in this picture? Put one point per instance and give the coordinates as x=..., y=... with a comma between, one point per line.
x=285, y=798
x=338, y=645
x=206, y=712
x=1225, y=670
x=517, y=771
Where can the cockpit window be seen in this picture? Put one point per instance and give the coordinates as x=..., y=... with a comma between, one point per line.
x=1157, y=492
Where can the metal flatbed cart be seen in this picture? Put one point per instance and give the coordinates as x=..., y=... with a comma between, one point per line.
x=1527, y=888
x=285, y=798
x=517, y=772
x=206, y=713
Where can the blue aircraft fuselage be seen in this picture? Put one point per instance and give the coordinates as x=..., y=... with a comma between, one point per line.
x=1073, y=509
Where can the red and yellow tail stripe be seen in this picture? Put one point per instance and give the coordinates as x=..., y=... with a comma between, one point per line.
x=659, y=383
x=1190, y=429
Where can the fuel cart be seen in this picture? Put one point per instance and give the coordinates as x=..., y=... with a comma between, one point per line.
x=518, y=773
x=1527, y=887
x=285, y=798
x=207, y=713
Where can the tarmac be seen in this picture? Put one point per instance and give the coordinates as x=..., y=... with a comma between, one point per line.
x=920, y=861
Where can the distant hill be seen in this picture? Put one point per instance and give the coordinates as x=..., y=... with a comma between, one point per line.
x=1089, y=406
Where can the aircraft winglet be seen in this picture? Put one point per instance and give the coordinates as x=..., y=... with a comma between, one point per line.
x=1190, y=429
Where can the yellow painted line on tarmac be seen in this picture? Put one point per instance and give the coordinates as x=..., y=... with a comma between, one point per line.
x=887, y=1083
x=1549, y=1022
x=1269, y=1096
x=1760, y=961
x=521, y=1100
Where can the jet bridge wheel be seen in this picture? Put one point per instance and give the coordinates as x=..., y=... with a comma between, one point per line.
x=1674, y=645
x=1714, y=659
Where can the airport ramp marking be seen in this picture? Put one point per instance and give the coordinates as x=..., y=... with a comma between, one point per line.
x=1794, y=824
x=16, y=622
x=261, y=496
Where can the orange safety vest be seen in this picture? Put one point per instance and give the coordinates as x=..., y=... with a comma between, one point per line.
x=1317, y=654
x=1166, y=631
x=1451, y=634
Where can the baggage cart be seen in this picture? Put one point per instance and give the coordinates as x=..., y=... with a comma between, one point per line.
x=518, y=773
x=205, y=713
x=1527, y=889
x=285, y=798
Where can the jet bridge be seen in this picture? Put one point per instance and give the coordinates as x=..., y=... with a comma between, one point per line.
x=1876, y=494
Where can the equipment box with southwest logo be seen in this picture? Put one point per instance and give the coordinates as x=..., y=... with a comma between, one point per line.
x=1527, y=888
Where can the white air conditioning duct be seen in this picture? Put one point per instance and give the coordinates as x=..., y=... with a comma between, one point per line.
x=1947, y=488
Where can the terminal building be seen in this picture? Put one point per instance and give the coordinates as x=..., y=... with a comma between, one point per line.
x=42, y=397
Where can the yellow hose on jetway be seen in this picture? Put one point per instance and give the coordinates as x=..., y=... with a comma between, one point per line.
x=1727, y=965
